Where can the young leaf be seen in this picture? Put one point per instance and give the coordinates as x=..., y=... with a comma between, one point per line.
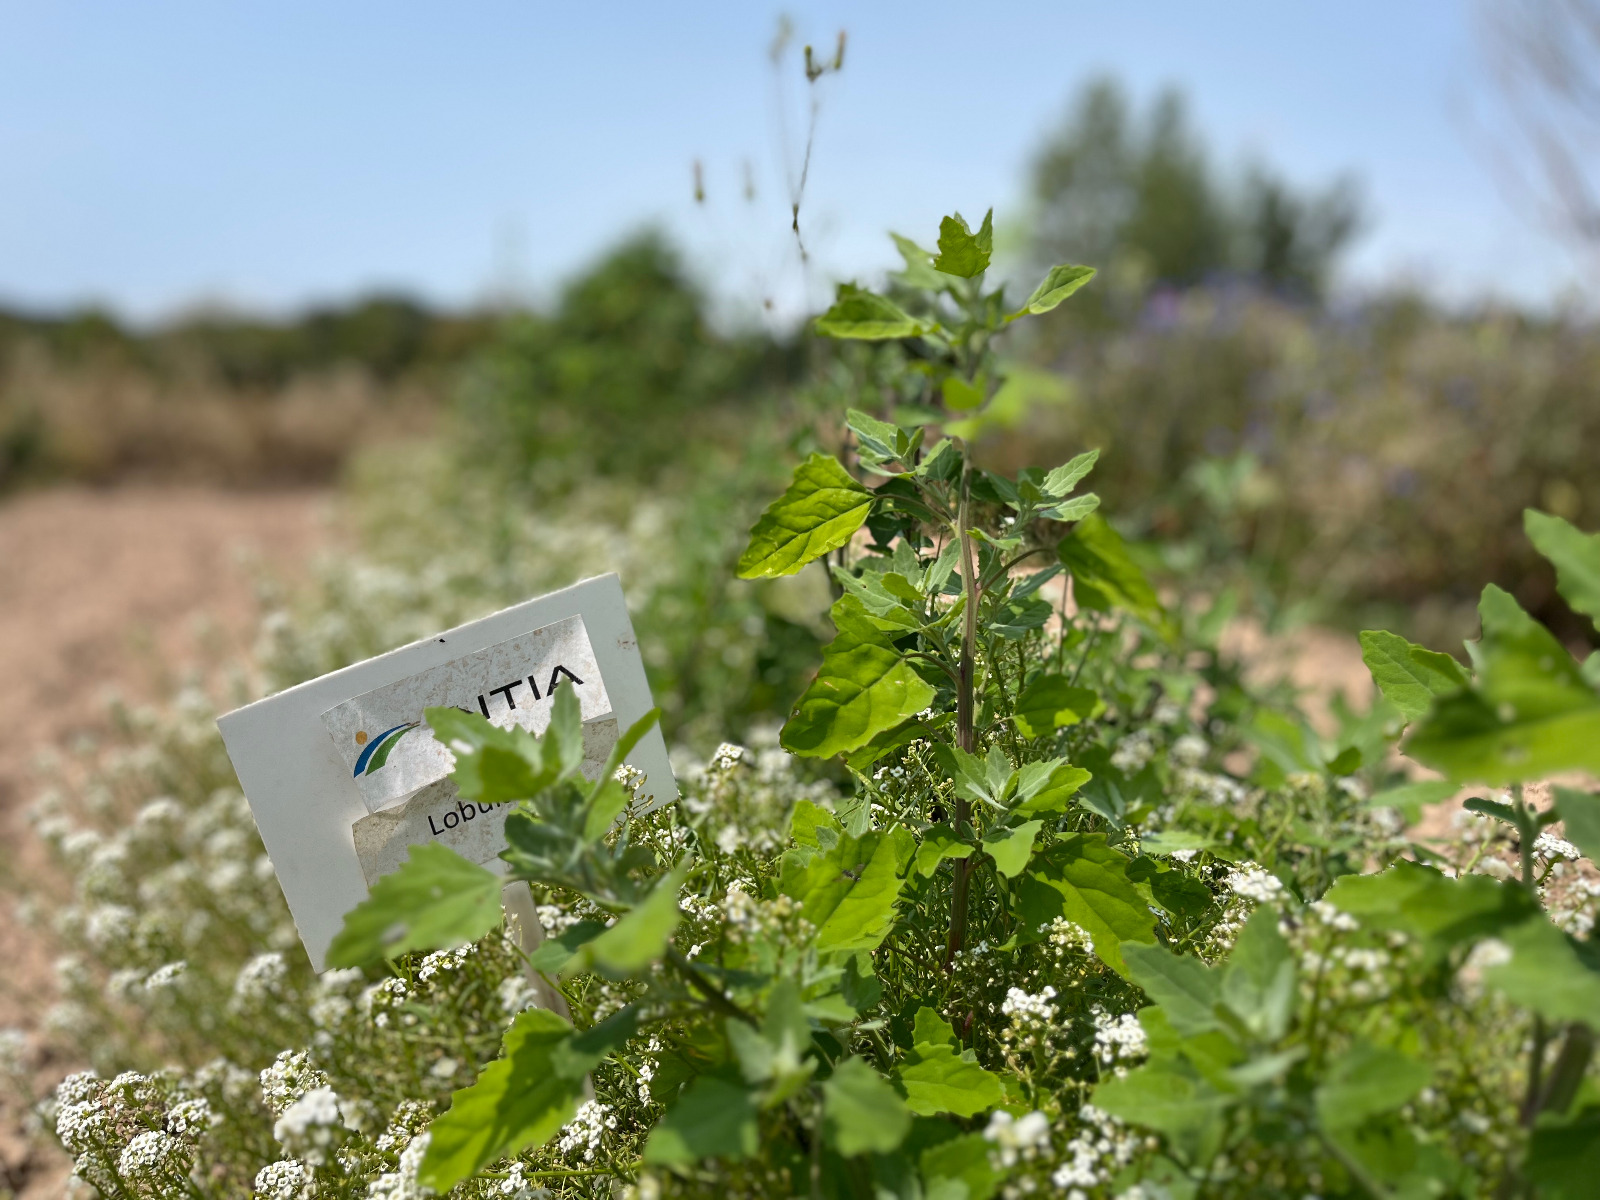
x=938, y=1080
x=435, y=900
x=1409, y=799
x=959, y=395
x=857, y=313
x=1440, y=912
x=712, y=1119
x=1564, y=1156
x=919, y=272
x=1367, y=1080
x=1545, y=974
x=1050, y=703
x=939, y=843
x=1580, y=815
x=863, y=688
x=881, y=440
x=820, y=511
x=1011, y=848
x=1104, y=576
x=1046, y=787
x=1061, y=281
x=861, y=1112
x=1576, y=557
x=640, y=937
x=1168, y=1098
x=554, y=953
x=519, y=1100
x=1410, y=676
x=1060, y=481
x=961, y=252
x=959, y=1162
x=865, y=911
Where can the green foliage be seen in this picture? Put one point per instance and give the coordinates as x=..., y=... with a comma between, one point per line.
x=1410, y=676
x=436, y=898
x=820, y=512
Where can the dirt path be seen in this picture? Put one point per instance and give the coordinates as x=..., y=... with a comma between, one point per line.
x=127, y=590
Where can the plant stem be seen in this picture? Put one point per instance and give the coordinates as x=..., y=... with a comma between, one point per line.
x=1567, y=1072
x=714, y=995
x=966, y=733
x=1357, y=1172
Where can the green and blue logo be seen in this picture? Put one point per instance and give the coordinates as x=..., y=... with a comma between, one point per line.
x=376, y=751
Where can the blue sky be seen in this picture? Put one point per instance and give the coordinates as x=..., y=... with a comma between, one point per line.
x=167, y=153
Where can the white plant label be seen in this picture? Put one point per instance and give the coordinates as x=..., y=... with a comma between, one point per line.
x=343, y=774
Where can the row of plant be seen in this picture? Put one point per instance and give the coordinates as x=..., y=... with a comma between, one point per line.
x=1072, y=913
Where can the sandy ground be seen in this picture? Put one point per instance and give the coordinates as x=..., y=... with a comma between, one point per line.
x=128, y=590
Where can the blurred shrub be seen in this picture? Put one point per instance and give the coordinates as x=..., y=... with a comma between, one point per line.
x=1374, y=458
x=625, y=370
x=217, y=398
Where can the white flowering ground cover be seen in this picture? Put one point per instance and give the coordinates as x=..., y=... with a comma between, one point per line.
x=988, y=915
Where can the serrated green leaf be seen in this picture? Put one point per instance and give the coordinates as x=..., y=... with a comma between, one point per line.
x=1258, y=982
x=821, y=511
x=1050, y=702
x=1104, y=575
x=1410, y=676
x=1367, y=1080
x=519, y=1100
x=712, y=1119
x=1187, y=990
x=1529, y=715
x=961, y=252
x=1012, y=847
x=639, y=938
x=1545, y=974
x=863, y=688
x=1046, y=787
x=938, y=1080
x=1580, y=816
x=583, y=1052
x=939, y=843
x=883, y=441
x=492, y=765
x=1059, y=283
x=1575, y=556
x=865, y=912
x=864, y=315
x=1084, y=880
x=436, y=899
x=862, y=1114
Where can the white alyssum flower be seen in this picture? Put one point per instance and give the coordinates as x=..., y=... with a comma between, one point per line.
x=1118, y=1038
x=401, y=1184
x=1549, y=845
x=310, y=1125
x=1021, y=1006
x=165, y=976
x=260, y=978
x=1254, y=882
x=290, y=1077
x=441, y=961
x=586, y=1129
x=286, y=1179
x=1017, y=1139
x=191, y=1118
x=152, y=1157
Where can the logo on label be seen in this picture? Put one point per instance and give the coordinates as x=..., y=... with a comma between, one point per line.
x=376, y=751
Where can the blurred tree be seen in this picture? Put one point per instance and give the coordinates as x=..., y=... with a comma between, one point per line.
x=1139, y=194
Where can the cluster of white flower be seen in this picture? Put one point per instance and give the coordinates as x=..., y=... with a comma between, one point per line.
x=401, y=1183
x=1118, y=1038
x=444, y=960
x=1189, y=751
x=290, y=1077
x=1024, y=1008
x=1134, y=752
x=1253, y=882
x=310, y=1126
x=1094, y=1154
x=586, y=1130
x=1334, y=918
x=1016, y=1139
x=408, y=1120
x=555, y=919
x=1549, y=846
x=377, y=1000
x=259, y=979
x=166, y=975
x=285, y=1179
x=517, y=992
x=727, y=756
x=631, y=778
x=647, y=1068
x=515, y=1187
x=191, y=1118
x=154, y=1158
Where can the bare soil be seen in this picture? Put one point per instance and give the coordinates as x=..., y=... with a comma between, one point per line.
x=130, y=590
